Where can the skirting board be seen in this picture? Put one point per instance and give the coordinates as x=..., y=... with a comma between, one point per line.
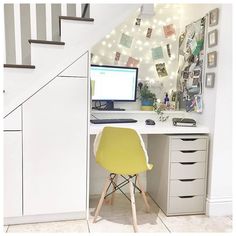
x=219, y=206
x=44, y=218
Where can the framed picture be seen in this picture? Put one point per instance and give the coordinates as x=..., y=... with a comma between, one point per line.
x=211, y=59
x=213, y=17
x=212, y=38
x=210, y=80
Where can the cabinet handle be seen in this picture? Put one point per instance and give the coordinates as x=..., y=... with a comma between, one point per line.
x=187, y=163
x=188, y=139
x=189, y=151
x=187, y=180
x=186, y=196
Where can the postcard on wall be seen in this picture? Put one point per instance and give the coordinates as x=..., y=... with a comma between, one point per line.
x=117, y=56
x=149, y=33
x=138, y=21
x=132, y=62
x=169, y=30
x=157, y=53
x=198, y=102
x=126, y=40
x=161, y=69
x=168, y=50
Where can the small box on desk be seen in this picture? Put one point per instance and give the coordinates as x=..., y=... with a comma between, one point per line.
x=184, y=122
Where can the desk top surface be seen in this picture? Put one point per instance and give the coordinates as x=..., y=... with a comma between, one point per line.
x=159, y=128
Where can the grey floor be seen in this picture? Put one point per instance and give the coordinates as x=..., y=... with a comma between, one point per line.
x=117, y=219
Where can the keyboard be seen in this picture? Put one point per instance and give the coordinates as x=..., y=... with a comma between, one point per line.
x=112, y=121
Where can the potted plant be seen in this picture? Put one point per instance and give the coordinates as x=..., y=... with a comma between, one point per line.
x=147, y=97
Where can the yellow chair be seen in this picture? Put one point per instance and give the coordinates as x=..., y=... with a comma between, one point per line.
x=121, y=151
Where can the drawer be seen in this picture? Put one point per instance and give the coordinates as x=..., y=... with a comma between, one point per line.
x=190, y=204
x=188, y=156
x=187, y=187
x=187, y=170
x=189, y=144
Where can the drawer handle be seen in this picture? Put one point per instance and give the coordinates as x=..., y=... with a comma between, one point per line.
x=186, y=196
x=189, y=151
x=187, y=180
x=187, y=163
x=188, y=139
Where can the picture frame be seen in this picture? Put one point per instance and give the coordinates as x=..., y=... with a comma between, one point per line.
x=213, y=17
x=212, y=59
x=210, y=80
x=212, y=38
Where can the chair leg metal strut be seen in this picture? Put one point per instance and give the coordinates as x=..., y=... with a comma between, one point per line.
x=112, y=181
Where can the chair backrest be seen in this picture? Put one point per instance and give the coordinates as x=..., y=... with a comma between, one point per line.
x=121, y=151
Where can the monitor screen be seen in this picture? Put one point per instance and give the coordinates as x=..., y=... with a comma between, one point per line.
x=113, y=83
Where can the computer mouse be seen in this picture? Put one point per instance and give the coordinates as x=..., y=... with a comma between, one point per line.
x=150, y=122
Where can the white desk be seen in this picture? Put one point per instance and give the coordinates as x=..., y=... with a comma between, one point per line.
x=165, y=127
x=159, y=182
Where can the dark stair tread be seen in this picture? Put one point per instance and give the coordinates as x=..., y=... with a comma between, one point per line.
x=46, y=42
x=76, y=18
x=19, y=66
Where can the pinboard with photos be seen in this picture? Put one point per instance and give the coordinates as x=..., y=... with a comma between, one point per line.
x=191, y=65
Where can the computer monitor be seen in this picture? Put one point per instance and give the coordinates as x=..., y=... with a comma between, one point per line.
x=113, y=83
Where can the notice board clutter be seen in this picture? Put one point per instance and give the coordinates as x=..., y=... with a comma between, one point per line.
x=191, y=65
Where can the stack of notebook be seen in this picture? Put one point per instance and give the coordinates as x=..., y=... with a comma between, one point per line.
x=185, y=122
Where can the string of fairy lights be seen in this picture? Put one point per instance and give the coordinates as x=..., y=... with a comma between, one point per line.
x=142, y=42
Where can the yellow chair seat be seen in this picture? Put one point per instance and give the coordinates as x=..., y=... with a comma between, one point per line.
x=121, y=151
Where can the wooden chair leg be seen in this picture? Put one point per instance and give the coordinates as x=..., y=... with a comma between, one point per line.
x=131, y=188
x=143, y=194
x=101, y=199
x=113, y=194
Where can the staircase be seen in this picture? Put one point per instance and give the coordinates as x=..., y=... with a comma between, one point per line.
x=69, y=34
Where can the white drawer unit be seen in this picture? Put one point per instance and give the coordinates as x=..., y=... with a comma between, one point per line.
x=177, y=182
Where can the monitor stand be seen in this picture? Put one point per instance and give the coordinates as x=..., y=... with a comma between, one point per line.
x=109, y=107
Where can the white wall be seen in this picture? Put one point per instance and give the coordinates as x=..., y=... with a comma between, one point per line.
x=217, y=113
x=104, y=52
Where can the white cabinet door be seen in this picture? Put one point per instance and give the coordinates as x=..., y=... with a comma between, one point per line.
x=12, y=174
x=55, y=148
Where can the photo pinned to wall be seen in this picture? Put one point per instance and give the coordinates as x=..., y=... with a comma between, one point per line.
x=132, y=62
x=210, y=80
x=212, y=38
x=214, y=17
x=168, y=50
x=138, y=21
x=161, y=69
x=194, y=103
x=157, y=53
x=198, y=103
x=126, y=40
x=212, y=59
x=117, y=56
x=149, y=33
x=169, y=30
